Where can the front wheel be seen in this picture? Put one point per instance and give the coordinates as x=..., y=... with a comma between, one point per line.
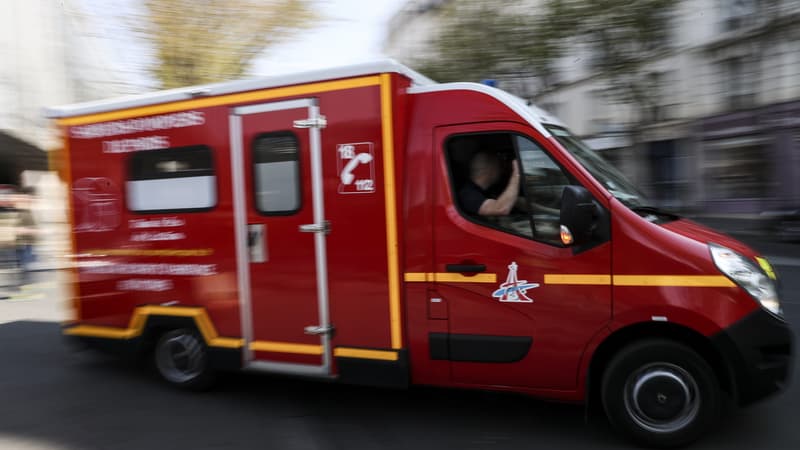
x=660, y=393
x=181, y=359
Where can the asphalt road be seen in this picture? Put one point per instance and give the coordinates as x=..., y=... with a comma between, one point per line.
x=54, y=398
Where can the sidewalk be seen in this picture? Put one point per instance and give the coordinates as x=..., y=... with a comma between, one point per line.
x=44, y=298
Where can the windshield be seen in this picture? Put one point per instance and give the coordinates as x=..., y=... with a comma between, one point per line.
x=601, y=170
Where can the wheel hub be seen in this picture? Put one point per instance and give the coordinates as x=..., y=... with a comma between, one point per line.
x=180, y=358
x=662, y=398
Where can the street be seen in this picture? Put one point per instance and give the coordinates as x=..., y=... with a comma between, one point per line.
x=56, y=398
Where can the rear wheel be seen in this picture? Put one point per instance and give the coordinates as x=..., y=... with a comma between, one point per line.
x=660, y=393
x=181, y=358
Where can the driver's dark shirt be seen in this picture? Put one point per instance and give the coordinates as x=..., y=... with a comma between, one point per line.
x=471, y=197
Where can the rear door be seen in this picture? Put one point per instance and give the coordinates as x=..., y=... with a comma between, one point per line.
x=521, y=307
x=281, y=236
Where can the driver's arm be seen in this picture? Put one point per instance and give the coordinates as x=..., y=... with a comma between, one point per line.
x=506, y=201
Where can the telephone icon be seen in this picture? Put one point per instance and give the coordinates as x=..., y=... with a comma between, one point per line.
x=347, y=172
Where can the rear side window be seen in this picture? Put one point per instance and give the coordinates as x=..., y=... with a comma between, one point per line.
x=276, y=173
x=171, y=179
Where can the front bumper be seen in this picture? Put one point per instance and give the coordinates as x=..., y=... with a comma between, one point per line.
x=759, y=353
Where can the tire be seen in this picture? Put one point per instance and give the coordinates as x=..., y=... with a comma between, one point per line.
x=660, y=393
x=181, y=359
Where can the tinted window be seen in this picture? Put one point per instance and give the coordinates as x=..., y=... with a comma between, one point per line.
x=276, y=173
x=536, y=213
x=171, y=179
x=544, y=183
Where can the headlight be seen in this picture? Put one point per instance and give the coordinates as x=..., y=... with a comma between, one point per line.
x=749, y=276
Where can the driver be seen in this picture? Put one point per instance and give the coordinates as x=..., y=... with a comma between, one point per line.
x=484, y=171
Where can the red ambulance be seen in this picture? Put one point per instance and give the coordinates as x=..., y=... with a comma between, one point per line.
x=316, y=224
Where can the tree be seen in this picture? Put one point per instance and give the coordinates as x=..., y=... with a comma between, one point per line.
x=197, y=42
x=526, y=38
x=623, y=37
x=479, y=40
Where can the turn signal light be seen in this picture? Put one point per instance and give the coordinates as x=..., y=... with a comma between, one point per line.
x=566, y=236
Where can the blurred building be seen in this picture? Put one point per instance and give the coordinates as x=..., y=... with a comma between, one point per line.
x=722, y=134
x=50, y=55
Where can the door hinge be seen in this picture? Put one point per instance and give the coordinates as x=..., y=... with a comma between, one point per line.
x=324, y=227
x=316, y=330
x=317, y=122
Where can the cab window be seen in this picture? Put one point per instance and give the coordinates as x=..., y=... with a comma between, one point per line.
x=481, y=168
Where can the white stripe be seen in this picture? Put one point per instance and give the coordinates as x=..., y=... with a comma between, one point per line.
x=210, y=90
x=275, y=106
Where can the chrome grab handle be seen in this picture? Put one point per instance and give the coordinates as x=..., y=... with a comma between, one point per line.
x=316, y=330
x=324, y=227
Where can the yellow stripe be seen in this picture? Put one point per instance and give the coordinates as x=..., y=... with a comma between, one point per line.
x=446, y=277
x=577, y=279
x=391, y=210
x=170, y=311
x=365, y=354
x=286, y=347
x=245, y=97
x=150, y=252
x=458, y=278
x=673, y=280
x=102, y=332
x=227, y=342
x=139, y=318
x=415, y=277
x=584, y=279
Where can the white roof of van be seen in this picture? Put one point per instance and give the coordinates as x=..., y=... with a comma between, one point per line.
x=186, y=93
x=420, y=83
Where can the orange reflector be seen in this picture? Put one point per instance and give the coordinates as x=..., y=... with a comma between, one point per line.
x=566, y=236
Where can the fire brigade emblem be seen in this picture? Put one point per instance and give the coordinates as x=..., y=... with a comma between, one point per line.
x=514, y=289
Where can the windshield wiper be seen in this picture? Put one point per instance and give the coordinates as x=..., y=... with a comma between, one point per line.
x=656, y=212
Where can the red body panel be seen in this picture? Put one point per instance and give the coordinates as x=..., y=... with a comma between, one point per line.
x=582, y=310
x=675, y=248
x=566, y=322
x=102, y=300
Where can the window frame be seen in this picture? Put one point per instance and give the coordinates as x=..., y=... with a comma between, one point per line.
x=254, y=174
x=486, y=224
x=140, y=154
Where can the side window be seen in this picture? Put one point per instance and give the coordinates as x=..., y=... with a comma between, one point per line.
x=544, y=182
x=171, y=180
x=481, y=168
x=276, y=173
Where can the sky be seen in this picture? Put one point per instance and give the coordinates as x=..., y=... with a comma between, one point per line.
x=353, y=32
x=350, y=31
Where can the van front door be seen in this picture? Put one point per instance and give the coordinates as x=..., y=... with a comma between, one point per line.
x=521, y=306
x=280, y=225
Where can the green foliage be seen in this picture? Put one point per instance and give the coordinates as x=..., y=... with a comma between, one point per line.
x=525, y=38
x=205, y=41
x=479, y=40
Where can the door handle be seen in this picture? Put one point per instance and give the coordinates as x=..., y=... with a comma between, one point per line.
x=466, y=268
x=316, y=330
x=324, y=227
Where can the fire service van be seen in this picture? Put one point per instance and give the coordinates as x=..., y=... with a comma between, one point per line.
x=347, y=225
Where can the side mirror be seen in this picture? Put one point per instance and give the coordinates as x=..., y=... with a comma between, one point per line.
x=577, y=215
